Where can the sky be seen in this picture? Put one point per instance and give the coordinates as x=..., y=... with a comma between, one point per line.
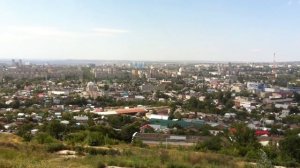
x=183, y=30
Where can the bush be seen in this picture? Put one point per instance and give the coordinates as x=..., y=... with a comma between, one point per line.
x=290, y=146
x=139, y=143
x=24, y=131
x=77, y=137
x=252, y=155
x=95, y=139
x=100, y=164
x=128, y=130
x=44, y=138
x=79, y=150
x=27, y=137
x=231, y=150
x=54, y=147
x=101, y=151
x=56, y=129
x=213, y=144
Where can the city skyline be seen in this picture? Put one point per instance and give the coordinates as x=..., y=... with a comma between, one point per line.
x=218, y=30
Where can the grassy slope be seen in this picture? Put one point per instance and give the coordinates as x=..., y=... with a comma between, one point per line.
x=15, y=153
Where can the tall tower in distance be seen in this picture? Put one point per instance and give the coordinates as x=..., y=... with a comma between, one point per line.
x=230, y=72
x=13, y=63
x=274, y=66
x=229, y=68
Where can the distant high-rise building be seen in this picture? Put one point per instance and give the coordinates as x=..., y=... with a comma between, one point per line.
x=135, y=73
x=219, y=69
x=138, y=65
x=229, y=68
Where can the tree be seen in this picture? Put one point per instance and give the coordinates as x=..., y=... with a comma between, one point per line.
x=264, y=162
x=56, y=129
x=291, y=146
x=229, y=104
x=297, y=97
x=194, y=104
x=15, y=104
x=172, y=110
x=105, y=130
x=24, y=131
x=128, y=130
x=244, y=140
x=294, y=110
x=117, y=121
x=244, y=136
x=214, y=144
x=106, y=87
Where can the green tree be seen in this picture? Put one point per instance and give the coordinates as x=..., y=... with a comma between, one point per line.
x=291, y=146
x=56, y=129
x=213, y=144
x=24, y=131
x=128, y=130
x=297, y=97
x=244, y=136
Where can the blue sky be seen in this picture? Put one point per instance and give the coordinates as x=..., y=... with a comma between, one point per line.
x=214, y=30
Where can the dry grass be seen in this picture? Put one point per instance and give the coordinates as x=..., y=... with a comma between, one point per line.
x=14, y=154
x=11, y=138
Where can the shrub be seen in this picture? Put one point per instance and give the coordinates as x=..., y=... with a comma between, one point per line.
x=44, y=138
x=54, y=147
x=252, y=155
x=213, y=144
x=100, y=164
x=139, y=143
x=291, y=145
x=77, y=137
x=95, y=139
x=101, y=151
x=79, y=150
x=27, y=137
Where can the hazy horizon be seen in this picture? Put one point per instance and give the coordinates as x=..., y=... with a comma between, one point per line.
x=157, y=30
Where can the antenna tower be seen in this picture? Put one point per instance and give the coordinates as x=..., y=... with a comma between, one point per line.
x=274, y=66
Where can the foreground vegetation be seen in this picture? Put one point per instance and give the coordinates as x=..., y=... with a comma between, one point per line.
x=102, y=145
x=16, y=153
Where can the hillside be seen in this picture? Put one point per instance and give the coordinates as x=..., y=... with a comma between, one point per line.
x=15, y=153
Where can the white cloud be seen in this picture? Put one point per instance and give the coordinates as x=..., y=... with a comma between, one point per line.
x=109, y=31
